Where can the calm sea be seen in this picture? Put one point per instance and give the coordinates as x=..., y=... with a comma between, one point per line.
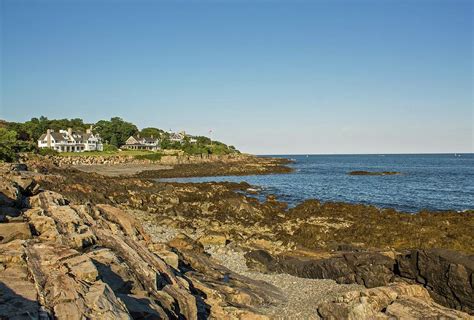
x=428, y=181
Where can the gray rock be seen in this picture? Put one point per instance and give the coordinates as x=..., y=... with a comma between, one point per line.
x=370, y=269
x=447, y=274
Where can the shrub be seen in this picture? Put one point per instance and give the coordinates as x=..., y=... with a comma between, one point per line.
x=110, y=148
x=48, y=152
x=151, y=156
x=7, y=145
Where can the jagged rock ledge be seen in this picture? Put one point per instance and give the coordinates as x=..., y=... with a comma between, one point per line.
x=73, y=243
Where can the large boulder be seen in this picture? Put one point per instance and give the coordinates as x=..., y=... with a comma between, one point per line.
x=396, y=301
x=10, y=194
x=213, y=238
x=27, y=185
x=370, y=269
x=127, y=223
x=447, y=274
x=69, y=286
x=47, y=199
x=18, y=295
x=14, y=230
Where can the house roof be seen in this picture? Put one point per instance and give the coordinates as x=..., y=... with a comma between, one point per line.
x=145, y=139
x=175, y=135
x=58, y=136
x=150, y=139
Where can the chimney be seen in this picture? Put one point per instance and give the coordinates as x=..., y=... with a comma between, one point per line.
x=152, y=136
x=89, y=130
x=138, y=135
x=69, y=131
x=48, y=138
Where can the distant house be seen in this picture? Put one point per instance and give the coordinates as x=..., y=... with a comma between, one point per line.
x=179, y=137
x=141, y=143
x=71, y=141
x=176, y=136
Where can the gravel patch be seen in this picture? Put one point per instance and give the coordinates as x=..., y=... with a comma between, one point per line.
x=302, y=295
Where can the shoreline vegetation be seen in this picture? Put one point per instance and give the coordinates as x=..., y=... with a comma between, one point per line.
x=18, y=137
x=215, y=251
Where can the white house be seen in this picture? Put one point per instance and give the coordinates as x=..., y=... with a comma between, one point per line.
x=141, y=143
x=71, y=141
x=179, y=137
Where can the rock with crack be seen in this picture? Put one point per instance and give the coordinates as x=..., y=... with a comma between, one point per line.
x=18, y=296
x=224, y=294
x=68, y=285
x=10, y=194
x=14, y=230
x=396, y=301
x=447, y=274
x=47, y=199
x=127, y=223
x=367, y=268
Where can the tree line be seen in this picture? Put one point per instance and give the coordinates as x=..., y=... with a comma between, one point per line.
x=17, y=137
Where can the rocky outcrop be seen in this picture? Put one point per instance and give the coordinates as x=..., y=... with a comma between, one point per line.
x=228, y=290
x=67, y=261
x=367, y=268
x=14, y=230
x=447, y=274
x=328, y=240
x=397, y=301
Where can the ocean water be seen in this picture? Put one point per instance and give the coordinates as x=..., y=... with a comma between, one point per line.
x=427, y=181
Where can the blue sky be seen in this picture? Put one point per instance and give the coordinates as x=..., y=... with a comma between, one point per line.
x=267, y=76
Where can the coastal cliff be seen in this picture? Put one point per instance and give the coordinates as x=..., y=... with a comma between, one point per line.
x=89, y=245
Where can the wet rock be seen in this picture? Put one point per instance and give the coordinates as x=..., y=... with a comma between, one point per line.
x=397, y=301
x=369, y=269
x=447, y=274
x=13, y=231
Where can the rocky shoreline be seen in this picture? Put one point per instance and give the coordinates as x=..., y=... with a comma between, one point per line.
x=129, y=247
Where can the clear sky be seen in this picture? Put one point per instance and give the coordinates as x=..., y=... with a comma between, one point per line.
x=269, y=77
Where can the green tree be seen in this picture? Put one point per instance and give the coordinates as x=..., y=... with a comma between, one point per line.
x=8, y=142
x=151, y=132
x=113, y=140
x=116, y=126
